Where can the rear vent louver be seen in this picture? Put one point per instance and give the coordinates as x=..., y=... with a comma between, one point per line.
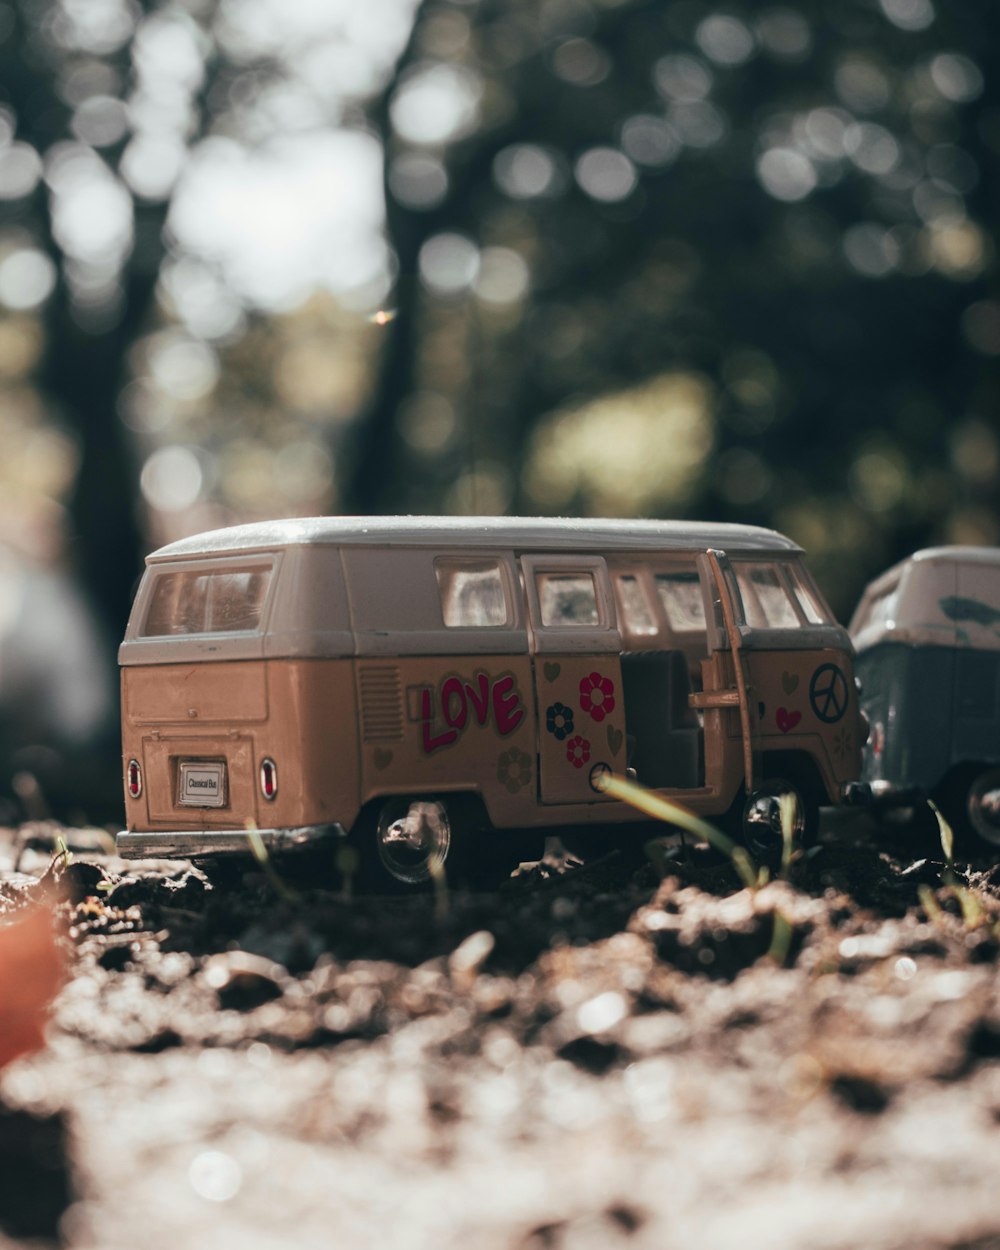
x=381, y=704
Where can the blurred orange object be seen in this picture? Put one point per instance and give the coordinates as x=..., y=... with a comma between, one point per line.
x=31, y=972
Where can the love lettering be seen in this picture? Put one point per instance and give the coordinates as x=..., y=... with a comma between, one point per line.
x=457, y=702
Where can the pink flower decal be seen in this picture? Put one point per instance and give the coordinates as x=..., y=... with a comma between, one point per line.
x=597, y=695
x=578, y=751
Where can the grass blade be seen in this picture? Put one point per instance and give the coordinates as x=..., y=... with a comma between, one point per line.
x=672, y=813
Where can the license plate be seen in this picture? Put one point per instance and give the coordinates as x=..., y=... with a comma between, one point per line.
x=202, y=783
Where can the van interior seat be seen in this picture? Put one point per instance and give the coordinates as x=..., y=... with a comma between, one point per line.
x=663, y=729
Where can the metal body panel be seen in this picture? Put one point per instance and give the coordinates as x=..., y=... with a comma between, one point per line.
x=930, y=708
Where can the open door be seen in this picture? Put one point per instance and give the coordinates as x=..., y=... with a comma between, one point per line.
x=576, y=649
x=724, y=700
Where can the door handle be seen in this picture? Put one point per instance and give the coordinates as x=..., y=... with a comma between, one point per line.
x=714, y=698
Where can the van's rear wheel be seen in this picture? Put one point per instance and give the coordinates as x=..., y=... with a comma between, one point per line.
x=411, y=843
x=413, y=839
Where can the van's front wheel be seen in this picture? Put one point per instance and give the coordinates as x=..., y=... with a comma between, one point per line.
x=765, y=810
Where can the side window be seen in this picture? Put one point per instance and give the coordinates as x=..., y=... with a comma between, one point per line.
x=808, y=599
x=680, y=596
x=472, y=594
x=206, y=602
x=634, y=609
x=766, y=602
x=567, y=598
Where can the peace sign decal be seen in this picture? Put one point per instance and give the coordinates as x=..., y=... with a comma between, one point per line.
x=828, y=693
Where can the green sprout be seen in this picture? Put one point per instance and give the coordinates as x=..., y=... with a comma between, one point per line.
x=973, y=914
x=347, y=862
x=673, y=813
x=439, y=882
x=260, y=854
x=788, y=808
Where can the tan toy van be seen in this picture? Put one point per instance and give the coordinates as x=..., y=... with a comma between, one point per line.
x=452, y=689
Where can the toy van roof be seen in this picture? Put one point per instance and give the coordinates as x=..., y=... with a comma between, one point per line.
x=350, y=587
x=940, y=596
x=520, y=533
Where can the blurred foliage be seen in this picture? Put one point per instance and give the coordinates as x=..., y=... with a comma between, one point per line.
x=730, y=260
x=789, y=212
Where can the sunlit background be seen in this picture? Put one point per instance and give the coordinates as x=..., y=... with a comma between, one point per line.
x=264, y=258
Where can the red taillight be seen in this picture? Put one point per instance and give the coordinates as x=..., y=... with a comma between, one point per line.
x=268, y=779
x=134, y=779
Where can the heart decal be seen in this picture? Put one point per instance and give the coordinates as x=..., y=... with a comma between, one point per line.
x=551, y=670
x=383, y=758
x=787, y=720
x=789, y=682
x=614, y=739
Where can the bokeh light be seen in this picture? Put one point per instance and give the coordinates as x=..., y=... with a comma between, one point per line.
x=629, y=453
x=435, y=104
x=606, y=174
x=172, y=479
x=449, y=263
x=27, y=277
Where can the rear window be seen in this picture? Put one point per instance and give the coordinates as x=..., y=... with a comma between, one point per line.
x=205, y=601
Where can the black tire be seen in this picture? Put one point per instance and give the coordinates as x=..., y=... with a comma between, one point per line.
x=762, y=822
x=411, y=839
x=969, y=799
x=982, y=806
x=960, y=798
x=410, y=844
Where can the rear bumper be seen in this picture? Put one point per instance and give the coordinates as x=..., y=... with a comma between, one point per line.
x=194, y=844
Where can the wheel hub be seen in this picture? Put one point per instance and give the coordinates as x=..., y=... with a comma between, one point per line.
x=413, y=840
x=765, y=811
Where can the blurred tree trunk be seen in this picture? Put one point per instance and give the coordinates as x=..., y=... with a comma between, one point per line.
x=84, y=373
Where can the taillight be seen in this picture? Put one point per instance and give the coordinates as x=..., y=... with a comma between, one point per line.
x=134, y=779
x=269, y=779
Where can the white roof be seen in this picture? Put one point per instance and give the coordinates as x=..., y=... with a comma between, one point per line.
x=940, y=596
x=952, y=555
x=522, y=533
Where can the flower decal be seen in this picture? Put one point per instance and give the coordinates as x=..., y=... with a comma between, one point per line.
x=597, y=695
x=559, y=720
x=514, y=769
x=578, y=751
x=843, y=743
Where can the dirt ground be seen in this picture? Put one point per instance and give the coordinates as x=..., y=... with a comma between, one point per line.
x=593, y=1057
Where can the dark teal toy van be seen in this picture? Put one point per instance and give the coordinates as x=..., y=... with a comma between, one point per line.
x=927, y=635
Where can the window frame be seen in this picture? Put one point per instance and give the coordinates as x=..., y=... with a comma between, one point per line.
x=210, y=569
x=578, y=639
x=470, y=563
